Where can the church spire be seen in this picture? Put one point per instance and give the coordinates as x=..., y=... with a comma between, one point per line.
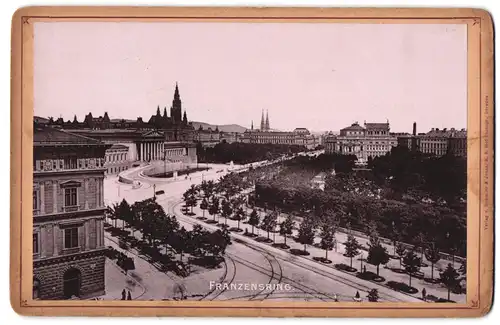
x=267, y=121
x=176, y=94
x=262, y=121
x=176, y=109
x=252, y=126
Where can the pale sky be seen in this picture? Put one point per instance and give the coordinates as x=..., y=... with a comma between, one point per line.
x=319, y=76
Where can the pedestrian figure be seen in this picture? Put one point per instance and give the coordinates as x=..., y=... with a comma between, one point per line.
x=364, y=269
x=129, y=296
x=424, y=294
x=124, y=294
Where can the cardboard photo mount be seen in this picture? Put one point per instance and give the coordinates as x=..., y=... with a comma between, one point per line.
x=480, y=163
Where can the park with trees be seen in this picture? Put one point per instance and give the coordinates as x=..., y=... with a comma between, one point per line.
x=421, y=216
x=157, y=235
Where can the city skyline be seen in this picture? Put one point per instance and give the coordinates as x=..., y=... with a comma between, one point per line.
x=279, y=68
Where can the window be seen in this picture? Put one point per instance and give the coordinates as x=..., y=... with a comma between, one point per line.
x=36, y=245
x=71, y=237
x=70, y=196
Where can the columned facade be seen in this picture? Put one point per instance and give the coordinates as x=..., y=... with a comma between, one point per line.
x=151, y=150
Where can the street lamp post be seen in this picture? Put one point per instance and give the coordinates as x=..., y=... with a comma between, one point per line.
x=154, y=191
x=361, y=270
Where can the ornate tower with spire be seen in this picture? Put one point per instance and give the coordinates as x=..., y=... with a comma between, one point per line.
x=262, y=121
x=251, y=128
x=266, y=126
x=176, y=109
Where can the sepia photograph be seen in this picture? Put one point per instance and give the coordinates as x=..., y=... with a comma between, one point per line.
x=284, y=162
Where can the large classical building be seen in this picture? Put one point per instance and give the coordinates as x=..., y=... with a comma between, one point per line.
x=299, y=136
x=371, y=140
x=436, y=142
x=68, y=213
x=162, y=137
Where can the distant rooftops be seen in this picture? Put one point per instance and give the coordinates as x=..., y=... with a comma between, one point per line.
x=435, y=132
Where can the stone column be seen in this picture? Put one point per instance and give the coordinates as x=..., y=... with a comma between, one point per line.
x=87, y=235
x=98, y=233
x=54, y=190
x=41, y=197
x=55, y=232
x=86, y=202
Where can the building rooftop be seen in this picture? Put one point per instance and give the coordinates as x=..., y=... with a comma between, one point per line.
x=384, y=126
x=118, y=146
x=354, y=127
x=52, y=136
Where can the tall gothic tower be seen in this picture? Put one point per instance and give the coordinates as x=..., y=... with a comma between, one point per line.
x=262, y=125
x=266, y=126
x=176, y=109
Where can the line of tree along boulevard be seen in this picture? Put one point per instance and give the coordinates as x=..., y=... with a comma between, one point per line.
x=244, y=153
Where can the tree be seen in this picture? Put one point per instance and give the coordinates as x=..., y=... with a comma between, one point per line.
x=214, y=208
x=216, y=243
x=153, y=220
x=179, y=241
x=269, y=223
x=204, y=206
x=351, y=247
x=377, y=254
x=192, y=201
x=123, y=211
x=372, y=232
x=199, y=242
x=449, y=277
x=227, y=210
x=306, y=233
x=433, y=255
x=419, y=242
x=327, y=238
x=110, y=213
x=254, y=219
x=286, y=227
x=412, y=263
x=240, y=215
x=401, y=252
x=373, y=295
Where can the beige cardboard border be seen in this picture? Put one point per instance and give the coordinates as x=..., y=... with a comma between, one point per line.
x=480, y=161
